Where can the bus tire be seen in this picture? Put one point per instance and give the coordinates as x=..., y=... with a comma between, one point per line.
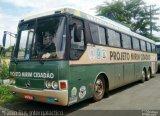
x=143, y=75
x=99, y=89
x=148, y=77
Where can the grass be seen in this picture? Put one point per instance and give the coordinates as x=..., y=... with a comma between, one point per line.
x=6, y=96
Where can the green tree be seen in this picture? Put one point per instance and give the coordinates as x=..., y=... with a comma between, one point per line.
x=4, y=74
x=133, y=14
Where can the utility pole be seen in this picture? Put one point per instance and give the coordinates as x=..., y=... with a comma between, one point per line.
x=10, y=34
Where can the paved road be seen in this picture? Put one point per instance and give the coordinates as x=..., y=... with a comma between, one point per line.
x=136, y=96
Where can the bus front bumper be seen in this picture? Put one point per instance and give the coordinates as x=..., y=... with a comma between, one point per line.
x=58, y=97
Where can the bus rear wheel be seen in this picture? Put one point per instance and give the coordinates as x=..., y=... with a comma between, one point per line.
x=148, y=74
x=143, y=76
x=99, y=89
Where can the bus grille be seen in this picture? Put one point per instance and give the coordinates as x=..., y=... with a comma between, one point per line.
x=30, y=83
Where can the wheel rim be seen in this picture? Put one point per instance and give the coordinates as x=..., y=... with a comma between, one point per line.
x=99, y=87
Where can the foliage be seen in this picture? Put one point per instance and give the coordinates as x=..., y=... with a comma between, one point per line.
x=6, y=52
x=4, y=71
x=6, y=96
x=9, y=49
x=156, y=39
x=132, y=13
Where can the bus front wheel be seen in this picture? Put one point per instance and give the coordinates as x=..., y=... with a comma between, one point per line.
x=99, y=89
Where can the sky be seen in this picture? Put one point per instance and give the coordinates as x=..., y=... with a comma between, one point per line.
x=11, y=11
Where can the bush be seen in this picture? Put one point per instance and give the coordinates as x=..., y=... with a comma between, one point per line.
x=4, y=74
x=4, y=91
x=6, y=96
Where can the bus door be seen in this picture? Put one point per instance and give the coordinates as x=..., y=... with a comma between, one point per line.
x=77, y=71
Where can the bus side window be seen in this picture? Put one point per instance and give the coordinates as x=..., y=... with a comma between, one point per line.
x=148, y=47
x=98, y=34
x=143, y=45
x=126, y=41
x=153, y=48
x=102, y=35
x=136, y=45
x=94, y=33
x=77, y=46
x=114, y=38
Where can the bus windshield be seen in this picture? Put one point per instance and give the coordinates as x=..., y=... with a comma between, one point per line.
x=42, y=39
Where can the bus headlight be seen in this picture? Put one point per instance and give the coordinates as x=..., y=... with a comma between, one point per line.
x=48, y=84
x=54, y=85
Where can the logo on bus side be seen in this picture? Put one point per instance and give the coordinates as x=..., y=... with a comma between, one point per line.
x=92, y=54
x=104, y=54
x=98, y=54
x=73, y=97
x=82, y=92
x=74, y=91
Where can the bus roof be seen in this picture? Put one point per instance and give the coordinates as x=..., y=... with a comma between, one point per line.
x=97, y=19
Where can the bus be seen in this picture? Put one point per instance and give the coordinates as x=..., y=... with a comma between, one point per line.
x=65, y=56
x=158, y=54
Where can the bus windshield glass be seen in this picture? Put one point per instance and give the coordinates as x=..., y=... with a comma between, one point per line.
x=42, y=39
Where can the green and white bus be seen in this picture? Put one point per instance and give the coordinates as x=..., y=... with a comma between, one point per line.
x=66, y=56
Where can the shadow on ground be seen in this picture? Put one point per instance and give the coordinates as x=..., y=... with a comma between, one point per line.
x=25, y=105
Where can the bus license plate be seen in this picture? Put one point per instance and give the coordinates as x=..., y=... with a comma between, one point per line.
x=29, y=97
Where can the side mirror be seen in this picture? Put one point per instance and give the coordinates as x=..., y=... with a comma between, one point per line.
x=77, y=33
x=12, y=53
x=16, y=36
